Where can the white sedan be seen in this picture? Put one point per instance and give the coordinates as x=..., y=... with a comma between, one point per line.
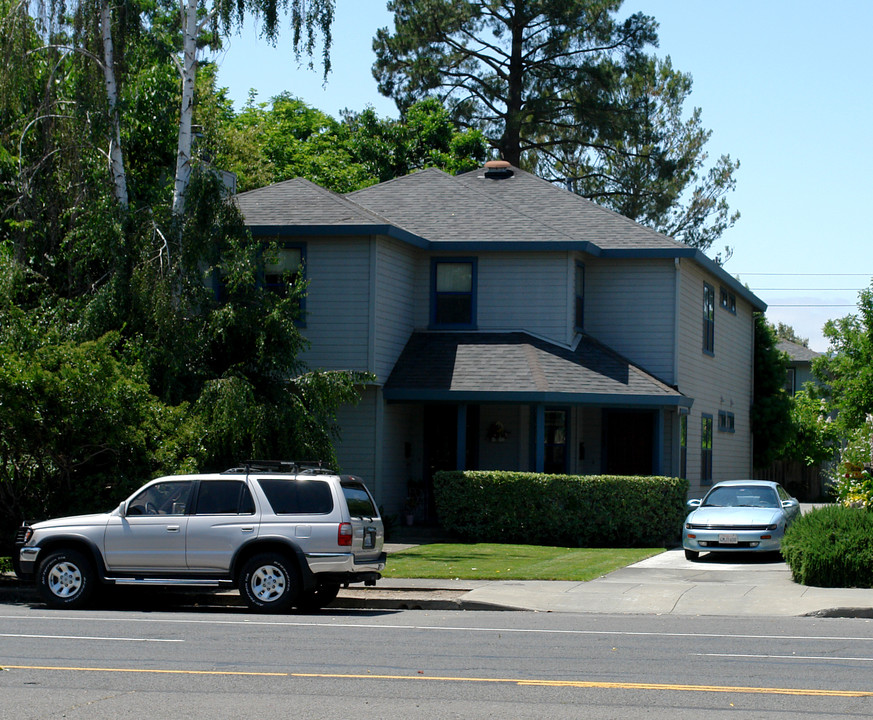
x=738, y=515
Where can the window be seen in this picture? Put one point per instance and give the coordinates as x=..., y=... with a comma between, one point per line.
x=453, y=299
x=164, y=498
x=555, y=455
x=282, y=268
x=790, y=380
x=224, y=497
x=359, y=501
x=725, y=421
x=728, y=301
x=580, y=296
x=708, y=318
x=683, y=446
x=298, y=497
x=706, y=450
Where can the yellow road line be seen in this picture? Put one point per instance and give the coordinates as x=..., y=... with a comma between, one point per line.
x=509, y=681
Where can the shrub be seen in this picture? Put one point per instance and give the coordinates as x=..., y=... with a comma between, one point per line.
x=577, y=511
x=831, y=547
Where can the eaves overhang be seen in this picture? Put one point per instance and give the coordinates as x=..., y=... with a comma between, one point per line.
x=535, y=398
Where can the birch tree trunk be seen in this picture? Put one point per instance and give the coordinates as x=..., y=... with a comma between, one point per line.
x=188, y=71
x=116, y=157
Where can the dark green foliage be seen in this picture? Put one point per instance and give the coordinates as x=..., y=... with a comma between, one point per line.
x=771, y=405
x=577, y=511
x=566, y=90
x=831, y=547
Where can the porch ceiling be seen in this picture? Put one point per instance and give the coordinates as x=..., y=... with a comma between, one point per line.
x=518, y=367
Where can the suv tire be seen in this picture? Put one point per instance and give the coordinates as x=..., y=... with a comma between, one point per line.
x=66, y=579
x=269, y=583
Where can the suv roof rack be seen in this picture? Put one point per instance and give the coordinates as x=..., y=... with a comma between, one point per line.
x=283, y=466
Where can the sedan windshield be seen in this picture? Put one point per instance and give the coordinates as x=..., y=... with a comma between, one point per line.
x=742, y=496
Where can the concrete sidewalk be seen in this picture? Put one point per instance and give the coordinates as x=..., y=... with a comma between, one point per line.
x=667, y=584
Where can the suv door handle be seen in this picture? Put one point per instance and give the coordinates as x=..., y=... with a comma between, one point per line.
x=247, y=529
x=172, y=528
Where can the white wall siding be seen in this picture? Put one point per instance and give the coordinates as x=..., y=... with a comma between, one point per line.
x=338, y=303
x=630, y=306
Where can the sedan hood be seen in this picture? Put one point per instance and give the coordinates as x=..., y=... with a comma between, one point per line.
x=735, y=516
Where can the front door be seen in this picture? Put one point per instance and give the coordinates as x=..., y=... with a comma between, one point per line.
x=151, y=535
x=629, y=442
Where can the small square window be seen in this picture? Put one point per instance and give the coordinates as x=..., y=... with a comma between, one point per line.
x=282, y=269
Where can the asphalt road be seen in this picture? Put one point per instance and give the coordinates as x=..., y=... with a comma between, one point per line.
x=415, y=664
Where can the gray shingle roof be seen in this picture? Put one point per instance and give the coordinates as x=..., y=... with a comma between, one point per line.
x=516, y=365
x=301, y=202
x=797, y=353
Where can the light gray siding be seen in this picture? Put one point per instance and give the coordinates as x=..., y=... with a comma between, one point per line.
x=338, y=304
x=396, y=272
x=630, y=306
x=721, y=381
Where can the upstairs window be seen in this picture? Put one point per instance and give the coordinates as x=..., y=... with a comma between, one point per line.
x=453, y=293
x=580, y=296
x=708, y=319
x=729, y=301
x=282, y=268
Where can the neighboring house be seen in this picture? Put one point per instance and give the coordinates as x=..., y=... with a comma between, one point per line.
x=513, y=325
x=799, y=370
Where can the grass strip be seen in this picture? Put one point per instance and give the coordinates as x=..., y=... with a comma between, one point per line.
x=491, y=561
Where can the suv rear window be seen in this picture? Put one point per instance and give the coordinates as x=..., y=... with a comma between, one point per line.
x=358, y=500
x=298, y=497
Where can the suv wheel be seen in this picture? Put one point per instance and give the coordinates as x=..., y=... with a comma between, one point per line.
x=66, y=579
x=268, y=583
x=320, y=597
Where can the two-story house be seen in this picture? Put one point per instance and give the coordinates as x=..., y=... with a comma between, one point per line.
x=511, y=324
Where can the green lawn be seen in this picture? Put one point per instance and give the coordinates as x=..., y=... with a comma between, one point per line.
x=510, y=562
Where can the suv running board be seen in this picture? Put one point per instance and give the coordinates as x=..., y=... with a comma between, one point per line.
x=175, y=582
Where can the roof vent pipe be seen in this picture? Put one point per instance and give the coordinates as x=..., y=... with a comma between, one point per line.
x=498, y=170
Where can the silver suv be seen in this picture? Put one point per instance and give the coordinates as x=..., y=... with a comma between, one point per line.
x=286, y=534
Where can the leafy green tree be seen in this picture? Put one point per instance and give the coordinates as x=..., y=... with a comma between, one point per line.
x=846, y=370
x=814, y=438
x=771, y=405
x=566, y=90
x=267, y=143
x=787, y=332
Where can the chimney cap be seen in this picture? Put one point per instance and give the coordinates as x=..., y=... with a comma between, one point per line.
x=498, y=169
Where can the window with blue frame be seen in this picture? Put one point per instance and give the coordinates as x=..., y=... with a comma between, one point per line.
x=282, y=268
x=453, y=293
x=708, y=318
x=580, y=296
x=706, y=450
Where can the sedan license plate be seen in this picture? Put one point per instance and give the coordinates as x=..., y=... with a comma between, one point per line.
x=727, y=539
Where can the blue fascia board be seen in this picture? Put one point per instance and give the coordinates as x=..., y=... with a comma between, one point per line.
x=535, y=398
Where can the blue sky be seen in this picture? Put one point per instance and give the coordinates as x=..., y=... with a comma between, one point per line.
x=784, y=85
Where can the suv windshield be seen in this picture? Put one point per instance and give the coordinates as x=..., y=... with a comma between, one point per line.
x=358, y=500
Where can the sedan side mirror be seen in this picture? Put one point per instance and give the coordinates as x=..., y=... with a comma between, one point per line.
x=693, y=503
x=120, y=509
x=790, y=503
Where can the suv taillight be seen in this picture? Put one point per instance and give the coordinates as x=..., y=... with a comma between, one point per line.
x=344, y=535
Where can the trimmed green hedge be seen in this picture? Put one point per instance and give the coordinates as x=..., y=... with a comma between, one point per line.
x=831, y=547
x=576, y=511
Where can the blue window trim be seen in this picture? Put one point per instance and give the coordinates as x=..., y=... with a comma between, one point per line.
x=474, y=262
x=579, y=300
x=726, y=421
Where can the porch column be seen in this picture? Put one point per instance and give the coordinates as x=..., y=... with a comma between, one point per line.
x=462, y=438
x=658, y=459
x=539, y=438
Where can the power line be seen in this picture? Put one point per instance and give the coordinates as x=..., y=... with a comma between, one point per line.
x=795, y=274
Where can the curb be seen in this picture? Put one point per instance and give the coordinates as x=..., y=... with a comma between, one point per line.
x=15, y=592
